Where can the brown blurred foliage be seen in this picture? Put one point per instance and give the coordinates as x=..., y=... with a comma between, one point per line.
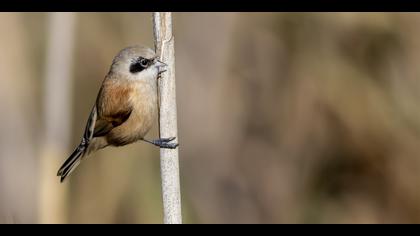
x=283, y=118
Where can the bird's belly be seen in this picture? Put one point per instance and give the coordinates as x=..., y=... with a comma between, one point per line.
x=141, y=119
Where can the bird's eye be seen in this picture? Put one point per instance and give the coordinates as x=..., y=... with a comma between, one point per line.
x=144, y=62
x=139, y=64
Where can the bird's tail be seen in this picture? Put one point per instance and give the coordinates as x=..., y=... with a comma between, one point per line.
x=73, y=161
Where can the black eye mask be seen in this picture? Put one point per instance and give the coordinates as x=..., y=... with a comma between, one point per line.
x=139, y=65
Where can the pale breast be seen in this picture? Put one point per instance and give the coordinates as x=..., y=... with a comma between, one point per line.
x=144, y=102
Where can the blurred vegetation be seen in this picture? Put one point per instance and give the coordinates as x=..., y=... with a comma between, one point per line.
x=283, y=118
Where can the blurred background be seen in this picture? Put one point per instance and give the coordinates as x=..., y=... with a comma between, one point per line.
x=282, y=118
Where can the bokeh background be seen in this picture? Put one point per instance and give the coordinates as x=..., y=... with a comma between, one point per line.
x=282, y=118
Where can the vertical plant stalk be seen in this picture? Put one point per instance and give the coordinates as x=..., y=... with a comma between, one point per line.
x=57, y=106
x=169, y=164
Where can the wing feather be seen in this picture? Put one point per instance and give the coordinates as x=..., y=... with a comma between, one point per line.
x=113, y=106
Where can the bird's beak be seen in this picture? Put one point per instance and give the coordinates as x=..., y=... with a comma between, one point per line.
x=161, y=66
x=159, y=63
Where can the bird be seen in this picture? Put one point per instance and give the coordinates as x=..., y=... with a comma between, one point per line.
x=125, y=108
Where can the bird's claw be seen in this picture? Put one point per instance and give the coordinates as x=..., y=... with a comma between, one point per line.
x=164, y=143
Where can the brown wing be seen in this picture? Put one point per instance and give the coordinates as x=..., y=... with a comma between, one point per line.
x=113, y=106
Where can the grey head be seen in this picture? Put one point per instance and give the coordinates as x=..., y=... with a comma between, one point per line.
x=137, y=62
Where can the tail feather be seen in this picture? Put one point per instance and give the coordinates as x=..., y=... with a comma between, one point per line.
x=72, y=162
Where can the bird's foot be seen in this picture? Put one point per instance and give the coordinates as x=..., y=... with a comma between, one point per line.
x=164, y=143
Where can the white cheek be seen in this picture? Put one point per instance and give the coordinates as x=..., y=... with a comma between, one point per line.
x=148, y=74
